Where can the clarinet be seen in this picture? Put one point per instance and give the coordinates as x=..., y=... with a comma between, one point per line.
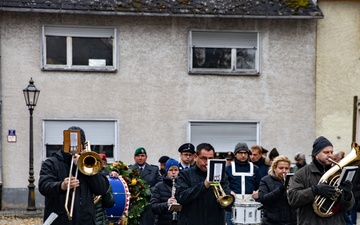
x=173, y=190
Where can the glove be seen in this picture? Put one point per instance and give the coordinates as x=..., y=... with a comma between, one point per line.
x=324, y=190
x=346, y=186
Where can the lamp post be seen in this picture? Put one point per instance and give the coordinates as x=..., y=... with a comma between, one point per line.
x=31, y=94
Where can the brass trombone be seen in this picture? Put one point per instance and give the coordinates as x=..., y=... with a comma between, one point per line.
x=89, y=163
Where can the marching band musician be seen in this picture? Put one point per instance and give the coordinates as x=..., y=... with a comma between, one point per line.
x=304, y=187
x=244, y=177
x=53, y=184
x=162, y=195
x=193, y=192
x=272, y=194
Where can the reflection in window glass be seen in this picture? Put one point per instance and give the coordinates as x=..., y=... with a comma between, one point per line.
x=92, y=48
x=56, y=50
x=213, y=58
x=245, y=58
x=105, y=149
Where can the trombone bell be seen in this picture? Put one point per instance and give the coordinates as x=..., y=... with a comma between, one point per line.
x=89, y=163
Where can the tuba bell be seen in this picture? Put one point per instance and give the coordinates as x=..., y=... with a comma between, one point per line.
x=322, y=206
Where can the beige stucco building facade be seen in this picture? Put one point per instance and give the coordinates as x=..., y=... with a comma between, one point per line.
x=338, y=63
x=152, y=97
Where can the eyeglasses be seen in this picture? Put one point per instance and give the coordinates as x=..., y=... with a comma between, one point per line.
x=242, y=153
x=187, y=154
x=203, y=158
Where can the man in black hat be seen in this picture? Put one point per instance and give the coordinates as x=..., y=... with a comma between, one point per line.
x=187, y=152
x=229, y=157
x=239, y=172
x=305, y=187
x=162, y=161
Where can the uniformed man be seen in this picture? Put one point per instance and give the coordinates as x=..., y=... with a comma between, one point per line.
x=187, y=152
x=151, y=175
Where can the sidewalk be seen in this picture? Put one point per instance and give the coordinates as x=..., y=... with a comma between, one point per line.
x=21, y=217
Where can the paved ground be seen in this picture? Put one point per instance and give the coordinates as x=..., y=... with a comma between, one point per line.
x=18, y=217
x=13, y=217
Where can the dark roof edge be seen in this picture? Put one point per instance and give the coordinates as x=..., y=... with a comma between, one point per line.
x=109, y=13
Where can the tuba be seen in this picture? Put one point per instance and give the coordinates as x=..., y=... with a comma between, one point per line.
x=322, y=206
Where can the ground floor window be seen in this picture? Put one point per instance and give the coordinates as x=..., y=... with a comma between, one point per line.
x=224, y=135
x=100, y=133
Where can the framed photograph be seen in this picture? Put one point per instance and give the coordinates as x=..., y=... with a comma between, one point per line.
x=347, y=173
x=216, y=170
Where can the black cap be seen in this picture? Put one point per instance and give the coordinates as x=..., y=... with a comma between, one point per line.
x=163, y=159
x=187, y=147
x=263, y=150
x=229, y=155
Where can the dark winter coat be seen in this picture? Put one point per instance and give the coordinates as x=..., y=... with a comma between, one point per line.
x=276, y=209
x=106, y=201
x=53, y=172
x=264, y=169
x=159, y=197
x=251, y=182
x=199, y=204
x=300, y=195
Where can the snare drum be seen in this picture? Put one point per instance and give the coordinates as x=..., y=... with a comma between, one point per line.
x=246, y=213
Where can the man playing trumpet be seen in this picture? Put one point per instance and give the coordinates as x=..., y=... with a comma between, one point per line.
x=199, y=203
x=55, y=180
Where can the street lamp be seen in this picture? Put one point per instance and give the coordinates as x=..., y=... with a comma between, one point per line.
x=31, y=94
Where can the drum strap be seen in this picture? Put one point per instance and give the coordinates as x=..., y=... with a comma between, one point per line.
x=242, y=175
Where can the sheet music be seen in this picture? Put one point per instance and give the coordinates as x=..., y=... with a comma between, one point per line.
x=50, y=219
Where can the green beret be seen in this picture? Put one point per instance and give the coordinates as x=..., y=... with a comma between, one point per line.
x=140, y=150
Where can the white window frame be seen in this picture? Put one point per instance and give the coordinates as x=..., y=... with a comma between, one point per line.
x=91, y=128
x=78, y=31
x=224, y=140
x=224, y=39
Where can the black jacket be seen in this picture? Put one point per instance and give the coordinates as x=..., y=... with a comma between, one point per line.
x=276, y=209
x=106, y=201
x=159, y=197
x=199, y=204
x=53, y=171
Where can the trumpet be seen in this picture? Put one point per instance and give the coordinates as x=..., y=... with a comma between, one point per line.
x=89, y=163
x=226, y=200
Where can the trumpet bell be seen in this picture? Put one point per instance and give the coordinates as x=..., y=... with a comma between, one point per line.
x=226, y=201
x=89, y=163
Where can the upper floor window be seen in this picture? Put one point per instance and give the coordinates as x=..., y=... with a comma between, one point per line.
x=224, y=52
x=78, y=48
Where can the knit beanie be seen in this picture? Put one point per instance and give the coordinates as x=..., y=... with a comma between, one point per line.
x=171, y=162
x=241, y=146
x=320, y=143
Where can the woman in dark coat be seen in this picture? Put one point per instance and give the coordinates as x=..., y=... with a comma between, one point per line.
x=272, y=194
x=162, y=196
